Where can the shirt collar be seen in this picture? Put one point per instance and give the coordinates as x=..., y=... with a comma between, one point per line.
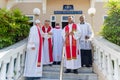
x=82, y=22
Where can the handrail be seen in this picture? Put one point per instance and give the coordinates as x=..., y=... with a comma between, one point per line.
x=12, y=61
x=107, y=58
x=62, y=63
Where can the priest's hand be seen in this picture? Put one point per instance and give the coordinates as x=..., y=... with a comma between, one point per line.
x=71, y=33
x=66, y=34
x=50, y=33
x=33, y=48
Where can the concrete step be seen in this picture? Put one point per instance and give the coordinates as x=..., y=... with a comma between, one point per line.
x=70, y=76
x=56, y=68
x=52, y=73
x=58, y=79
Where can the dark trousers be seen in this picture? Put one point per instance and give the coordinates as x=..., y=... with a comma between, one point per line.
x=86, y=57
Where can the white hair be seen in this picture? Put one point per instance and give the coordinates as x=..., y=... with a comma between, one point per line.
x=37, y=21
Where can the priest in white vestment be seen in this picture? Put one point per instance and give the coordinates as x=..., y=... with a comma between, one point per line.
x=85, y=42
x=71, y=35
x=47, y=43
x=33, y=61
x=57, y=44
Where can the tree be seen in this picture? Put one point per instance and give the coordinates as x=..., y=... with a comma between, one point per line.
x=111, y=26
x=14, y=26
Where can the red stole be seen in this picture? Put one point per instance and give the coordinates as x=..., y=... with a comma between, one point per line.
x=70, y=55
x=40, y=48
x=49, y=43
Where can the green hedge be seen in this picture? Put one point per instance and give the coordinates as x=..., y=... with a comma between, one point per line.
x=14, y=26
x=111, y=27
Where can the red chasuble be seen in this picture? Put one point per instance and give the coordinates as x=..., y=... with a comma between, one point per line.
x=40, y=48
x=70, y=54
x=49, y=43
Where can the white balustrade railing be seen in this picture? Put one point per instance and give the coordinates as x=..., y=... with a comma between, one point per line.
x=12, y=61
x=107, y=58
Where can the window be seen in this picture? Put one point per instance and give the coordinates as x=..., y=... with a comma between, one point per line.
x=53, y=20
x=31, y=19
x=104, y=17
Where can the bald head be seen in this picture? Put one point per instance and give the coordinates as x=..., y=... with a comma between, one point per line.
x=82, y=18
x=70, y=19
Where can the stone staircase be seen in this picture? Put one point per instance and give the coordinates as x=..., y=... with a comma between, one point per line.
x=52, y=73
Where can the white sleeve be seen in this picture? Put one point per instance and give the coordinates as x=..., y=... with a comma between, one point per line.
x=31, y=39
x=90, y=32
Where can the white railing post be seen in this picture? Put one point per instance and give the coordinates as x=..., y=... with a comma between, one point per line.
x=95, y=54
x=22, y=61
x=10, y=73
x=110, y=68
x=116, y=70
x=107, y=56
x=3, y=71
x=99, y=59
x=12, y=61
x=17, y=67
x=62, y=63
x=104, y=63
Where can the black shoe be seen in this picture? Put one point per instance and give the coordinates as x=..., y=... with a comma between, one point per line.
x=88, y=65
x=50, y=64
x=67, y=71
x=54, y=63
x=36, y=78
x=58, y=63
x=75, y=71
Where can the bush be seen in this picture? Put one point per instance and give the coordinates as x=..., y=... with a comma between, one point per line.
x=111, y=26
x=14, y=26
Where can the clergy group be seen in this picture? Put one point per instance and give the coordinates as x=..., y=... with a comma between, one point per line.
x=46, y=45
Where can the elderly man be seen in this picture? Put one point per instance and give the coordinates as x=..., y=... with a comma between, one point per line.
x=47, y=43
x=85, y=42
x=71, y=35
x=33, y=63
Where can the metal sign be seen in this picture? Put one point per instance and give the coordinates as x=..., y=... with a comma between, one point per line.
x=68, y=9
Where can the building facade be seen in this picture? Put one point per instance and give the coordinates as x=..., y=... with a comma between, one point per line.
x=57, y=11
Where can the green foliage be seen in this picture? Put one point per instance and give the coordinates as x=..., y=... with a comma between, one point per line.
x=14, y=26
x=111, y=27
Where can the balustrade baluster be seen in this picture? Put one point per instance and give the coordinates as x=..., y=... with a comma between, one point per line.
x=17, y=67
x=110, y=69
x=3, y=71
x=99, y=59
x=104, y=64
x=10, y=73
x=22, y=61
x=116, y=70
